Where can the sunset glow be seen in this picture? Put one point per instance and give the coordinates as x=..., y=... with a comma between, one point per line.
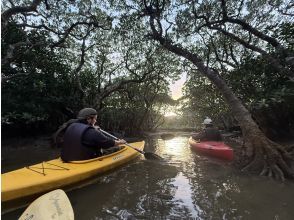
x=176, y=93
x=176, y=88
x=170, y=114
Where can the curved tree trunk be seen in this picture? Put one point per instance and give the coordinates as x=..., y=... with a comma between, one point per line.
x=267, y=157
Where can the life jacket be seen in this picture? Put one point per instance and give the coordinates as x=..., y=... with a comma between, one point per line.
x=57, y=137
x=73, y=149
x=211, y=134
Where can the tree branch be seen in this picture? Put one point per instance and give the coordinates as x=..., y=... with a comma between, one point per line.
x=19, y=9
x=249, y=28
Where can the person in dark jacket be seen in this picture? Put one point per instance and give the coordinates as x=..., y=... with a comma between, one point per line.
x=82, y=140
x=209, y=133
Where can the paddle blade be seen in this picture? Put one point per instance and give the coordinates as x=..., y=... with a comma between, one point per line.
x=53, y=205
x=152, y=156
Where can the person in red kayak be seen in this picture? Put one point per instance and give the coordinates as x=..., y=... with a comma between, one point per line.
x=209, y=133
x=83, y=140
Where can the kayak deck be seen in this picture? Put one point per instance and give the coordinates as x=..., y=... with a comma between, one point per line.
x=216, y=149
x=53, y=174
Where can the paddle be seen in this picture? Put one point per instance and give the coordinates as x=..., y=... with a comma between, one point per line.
x=53, y=205
x=148, y=155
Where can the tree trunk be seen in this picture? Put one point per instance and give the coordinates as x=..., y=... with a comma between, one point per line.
x=265, y=156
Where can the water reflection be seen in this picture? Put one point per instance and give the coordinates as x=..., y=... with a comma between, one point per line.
x=175, y=149
x=183, y=186
x=183, y=195
x=141, y=190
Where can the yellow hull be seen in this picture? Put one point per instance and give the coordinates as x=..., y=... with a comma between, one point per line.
x=53, y=174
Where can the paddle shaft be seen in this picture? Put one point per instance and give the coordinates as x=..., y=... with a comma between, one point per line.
x=110, y=135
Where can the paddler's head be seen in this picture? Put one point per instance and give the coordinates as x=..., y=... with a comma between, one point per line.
x=207, y=122
x=89, y=115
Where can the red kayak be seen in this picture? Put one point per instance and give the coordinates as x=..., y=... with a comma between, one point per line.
x=213, y=148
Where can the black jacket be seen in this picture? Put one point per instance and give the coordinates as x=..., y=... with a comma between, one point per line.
x=208, y=134
x=82, y=142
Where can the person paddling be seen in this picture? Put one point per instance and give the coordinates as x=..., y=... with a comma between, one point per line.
x=209, y=133
x=83, y=140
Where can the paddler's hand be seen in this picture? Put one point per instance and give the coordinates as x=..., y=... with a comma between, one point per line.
x=120, y=141
x=97, y=127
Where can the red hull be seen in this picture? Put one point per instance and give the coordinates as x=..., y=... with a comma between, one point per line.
x=213, y=148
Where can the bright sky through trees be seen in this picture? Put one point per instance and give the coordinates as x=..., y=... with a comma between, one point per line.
x=176, y=93
x=176, y=87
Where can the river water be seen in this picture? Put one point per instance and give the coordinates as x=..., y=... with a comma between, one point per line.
x=183, y=186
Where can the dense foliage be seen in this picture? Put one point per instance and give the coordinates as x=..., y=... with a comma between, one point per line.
x=33, y=83
x=43, y=86
x=263, y=88
x=71, y=54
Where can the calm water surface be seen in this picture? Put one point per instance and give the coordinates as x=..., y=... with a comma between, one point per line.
x=183, y=186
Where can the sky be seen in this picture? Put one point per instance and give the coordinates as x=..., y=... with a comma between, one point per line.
x=176, y=92
x=176, y=87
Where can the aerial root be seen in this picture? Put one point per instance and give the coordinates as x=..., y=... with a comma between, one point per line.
x=290, y=150
x=271, y=160
x=264, y=170
x=278, y=173
x=285, y=168
x=254, y=162
x=286, y=155
x=270, y=173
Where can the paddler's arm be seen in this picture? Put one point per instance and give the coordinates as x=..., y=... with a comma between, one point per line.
x=93, y=138
x=116, y=142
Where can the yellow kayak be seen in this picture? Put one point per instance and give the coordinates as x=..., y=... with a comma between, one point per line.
x=53, y=174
